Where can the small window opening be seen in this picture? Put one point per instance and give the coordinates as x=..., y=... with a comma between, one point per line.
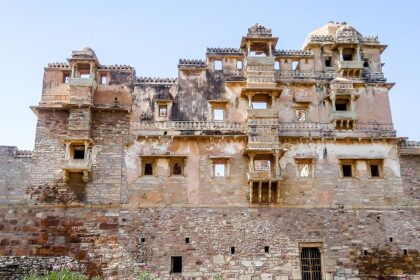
x=341, y=106
x=366, y=63
x=218, y=114
x=232, y=250
x=66, y=78
x=328, y=61
x=79, y=152
x=365, y=252
x=262, y=165
x=148, y=169
x=277, y=65
x=391, y=239
x=259, y=105
x=177, y=169
x=295, y=65
x=347, y=170
x=218, y=65
x=374, y=170
x=187, y=240
x=85, y=76
x=176, y=264
x=142, y=240
x=267, y=249
x=103, y=80
x=219, y=170
x=163, y=110
x=239, y=65
x=405, y=252
x=348, y=54
x=378, y=217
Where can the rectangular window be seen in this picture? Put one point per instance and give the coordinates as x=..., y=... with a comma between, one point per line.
x=79, y=152
x=219, y=169
x=295, y=65
x=148, y=168
x=176, y=264
x=277, y=65
x=85, y=76
x=347, y=170
x=259, y=105
x=163, y=110
x=218, y=114
x=262, y=165
x=239, y=65
x=328, y=61
x=218, y=66
x=304, y=170
x=375, y=168
x=103, y=80
x=177, y=167
x=341, y=105
x=300, y=115
x=310, y=260
x=348, y=54
x=66, y=78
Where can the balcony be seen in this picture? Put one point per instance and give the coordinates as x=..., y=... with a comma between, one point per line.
x=343, y=115
x=349, y=65
x=263, y=113
x=90, y=82
x=77, y=165
x=261, y=175
x=250, y=60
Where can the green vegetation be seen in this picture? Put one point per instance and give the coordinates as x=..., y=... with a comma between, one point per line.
x=145, y=276
x=63, y=274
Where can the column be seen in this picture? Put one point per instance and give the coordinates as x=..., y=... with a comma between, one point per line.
x=332, y=96
x=248, y=47
x=269, y=191
x=67, y=150
x=340, y=50
x=86, y=150
x=259, y=191
x=250, y=192
x=251, y=162
x=358, y=58
x=270, y=51
x=353, y=103
x=91, y=70
x=72, y=71
x=277, y=164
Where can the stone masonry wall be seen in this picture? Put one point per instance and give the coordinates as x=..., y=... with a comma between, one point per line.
x=410, y=170
x=108, y=241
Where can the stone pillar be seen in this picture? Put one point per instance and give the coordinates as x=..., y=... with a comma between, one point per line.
x=67, y=150
x=270, y=51
x=277, y=164
x=250, y=191
x=91, y=70
x=259, y=191
x=86, y=150
x=340, y=50
x=332, y=96
x=251, y=162
x=248, y=47
x=73, y=71
x=358, y=53
x=353, y=103
x=269, y=191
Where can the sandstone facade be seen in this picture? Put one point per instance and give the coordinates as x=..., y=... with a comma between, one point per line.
x=255, y=163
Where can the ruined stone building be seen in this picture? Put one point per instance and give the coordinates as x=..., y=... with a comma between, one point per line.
x=254, y=163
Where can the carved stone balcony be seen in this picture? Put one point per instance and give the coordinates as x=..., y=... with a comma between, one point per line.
x=263, y=113
x=77, y=165
x=349, y=65
x=90, y=82
x=343, y=119
x=261, y=175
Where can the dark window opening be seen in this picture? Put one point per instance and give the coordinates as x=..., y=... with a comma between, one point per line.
x=267, y=249
x=310, y=259
x=273, y=192
x=187, y=240
x=232, y=250
x=176, y=264
x=348, y=54
x=264, y=192
x=366, y=63
x=148, y=169
x=255, y=192
x=177, y=169
x=374, y=170
x=391, y=239
x=347, y=170
x=328, y=62
x=405, y=252
x=365, y=252
x=341, y=106
x=79, y=153
x=142, y=240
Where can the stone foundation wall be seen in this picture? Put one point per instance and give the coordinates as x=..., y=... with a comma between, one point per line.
x=108, y=241
x=12, y=268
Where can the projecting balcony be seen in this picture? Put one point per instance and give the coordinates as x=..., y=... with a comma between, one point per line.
x=343, y=119
x=77, y=165
x=89, y=82
x=262, y=175
x=250, y=61
x=350, y=65
x=263, y=113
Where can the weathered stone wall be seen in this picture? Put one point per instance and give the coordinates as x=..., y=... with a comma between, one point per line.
x=108, y=241
x=13, y=268
x=410, y=171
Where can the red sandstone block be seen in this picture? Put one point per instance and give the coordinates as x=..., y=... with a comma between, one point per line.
x=108, y=226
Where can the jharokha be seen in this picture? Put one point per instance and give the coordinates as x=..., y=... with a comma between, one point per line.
x=254, y=163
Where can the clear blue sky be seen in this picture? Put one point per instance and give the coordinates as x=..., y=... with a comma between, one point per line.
x=153, y=35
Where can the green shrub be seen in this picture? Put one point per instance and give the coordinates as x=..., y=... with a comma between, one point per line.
x=145, y=276
x=63, y=274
